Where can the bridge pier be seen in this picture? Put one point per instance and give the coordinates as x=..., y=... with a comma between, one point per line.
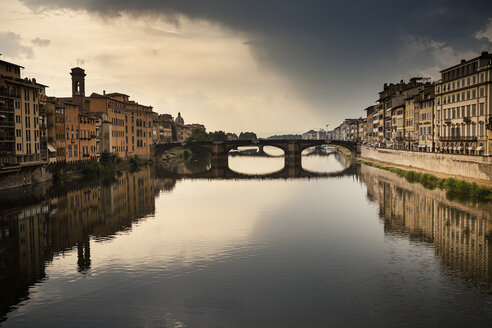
x=219, y=164
x=293, y=164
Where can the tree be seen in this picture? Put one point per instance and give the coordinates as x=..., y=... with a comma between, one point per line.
x=198, y=135
x=218, y=136
x=247, y=136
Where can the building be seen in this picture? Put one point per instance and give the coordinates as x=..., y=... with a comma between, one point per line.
x=463, y=107
x=163, y=126
x=119, y=125
x=87, y=136
x=371, y=126
x=425, y=110
x=138, y=126
x=310, y=135
x=19, y=117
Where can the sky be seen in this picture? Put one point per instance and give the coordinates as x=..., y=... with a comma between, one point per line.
x=268, y=66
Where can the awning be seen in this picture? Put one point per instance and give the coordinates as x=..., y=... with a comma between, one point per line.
x=479, y=148
x=51, y=148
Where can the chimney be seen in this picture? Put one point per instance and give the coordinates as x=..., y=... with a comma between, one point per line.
x=463, y=61
x=104, y=92
x=485, y=53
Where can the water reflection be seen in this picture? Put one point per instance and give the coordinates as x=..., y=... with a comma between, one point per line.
x=215, y=245
x=461, y=233
x=31, y=236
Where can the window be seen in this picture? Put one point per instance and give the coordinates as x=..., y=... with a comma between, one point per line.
x=17, y=119
x=18, y=133
x=481, y=92
x=19, y=147
x=481, y=105
x=474, y=93
x=474, y=110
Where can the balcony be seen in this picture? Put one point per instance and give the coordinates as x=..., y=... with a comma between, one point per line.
x=458, y=138
x=447, y=121
x=10, y=94
x=7, y=124
x=6, y=108
x=467, y=119
x=6, y=138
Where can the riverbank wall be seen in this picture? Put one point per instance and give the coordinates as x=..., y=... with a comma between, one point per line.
x=25, y=176
x=475, y=167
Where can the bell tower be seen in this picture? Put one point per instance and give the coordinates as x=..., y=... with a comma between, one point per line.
x=78, y=86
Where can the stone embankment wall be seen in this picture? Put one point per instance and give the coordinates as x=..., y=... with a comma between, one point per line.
x=25, y=176
x=477, y=167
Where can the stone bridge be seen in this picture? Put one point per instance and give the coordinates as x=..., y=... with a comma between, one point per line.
x=350, y=145
x=292, y=148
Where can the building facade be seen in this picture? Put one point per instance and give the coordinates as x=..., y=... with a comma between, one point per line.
x=463, y=107
x=19, y=117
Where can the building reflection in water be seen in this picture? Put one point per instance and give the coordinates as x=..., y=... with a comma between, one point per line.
x=460, y=233
x=32, y=235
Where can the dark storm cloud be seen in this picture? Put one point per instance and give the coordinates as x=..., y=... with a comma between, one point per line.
x=11, y=46
x=328, y=49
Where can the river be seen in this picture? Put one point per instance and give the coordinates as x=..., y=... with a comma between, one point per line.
x=363, y=248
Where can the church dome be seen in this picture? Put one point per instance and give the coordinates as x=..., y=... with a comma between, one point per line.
x=179, y=120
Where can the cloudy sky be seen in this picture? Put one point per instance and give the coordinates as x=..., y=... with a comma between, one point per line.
x=267, y=66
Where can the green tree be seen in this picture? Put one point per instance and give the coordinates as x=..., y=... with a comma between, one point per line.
x=247, y=136
x=198, y=135
x=218, y=136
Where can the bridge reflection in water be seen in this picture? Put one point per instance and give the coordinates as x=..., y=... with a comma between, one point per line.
x=218, y=166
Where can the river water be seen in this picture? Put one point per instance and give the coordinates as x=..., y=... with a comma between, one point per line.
x=364, y=248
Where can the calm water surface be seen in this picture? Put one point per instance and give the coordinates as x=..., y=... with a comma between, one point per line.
x=363, y=249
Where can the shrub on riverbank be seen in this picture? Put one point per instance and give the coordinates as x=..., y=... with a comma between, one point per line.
x=455, y=189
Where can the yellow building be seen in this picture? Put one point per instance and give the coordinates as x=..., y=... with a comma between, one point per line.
x=426, y=120
x=138, y=126
x=463, y=107
x=124, y=126
x=19, y=117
